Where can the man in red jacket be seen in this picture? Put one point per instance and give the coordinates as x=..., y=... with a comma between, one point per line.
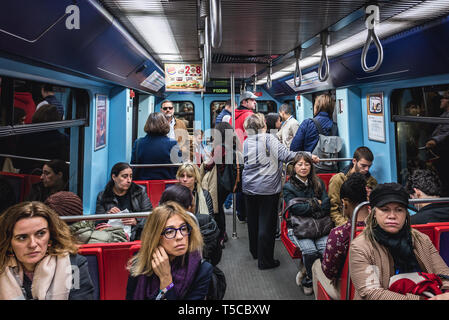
x=247, y=105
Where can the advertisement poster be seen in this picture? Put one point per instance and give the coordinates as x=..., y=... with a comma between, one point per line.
x=183, y=77
x=100, y=121
x=376, y=119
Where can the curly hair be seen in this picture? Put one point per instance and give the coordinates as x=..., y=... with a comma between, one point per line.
x=354, y=188
x=425, y=180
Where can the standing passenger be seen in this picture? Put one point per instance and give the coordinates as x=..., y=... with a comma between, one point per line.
x=178, y=129
x=261, y=184
x=155, y=148
x=38, y=258
x=225, y=114
x=121, y=194
x=246, y=108
x=289, y=125
x=168, y=265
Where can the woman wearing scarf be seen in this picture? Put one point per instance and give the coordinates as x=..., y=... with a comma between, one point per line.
x=38, y=258
x=389, y=247
x=168, y=264
x=189, y=176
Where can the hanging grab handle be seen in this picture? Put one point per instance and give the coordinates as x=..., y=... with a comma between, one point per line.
x=270, y=70
x=372, y=17
x=215, y=22
x=298, y=71
x=325, y=41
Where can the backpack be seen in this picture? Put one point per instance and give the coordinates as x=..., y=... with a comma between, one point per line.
x=327, y=147
x=231, y=178
x=212, y=250
x=217, y=285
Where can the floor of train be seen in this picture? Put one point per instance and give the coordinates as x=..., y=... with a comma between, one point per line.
x=245, y=281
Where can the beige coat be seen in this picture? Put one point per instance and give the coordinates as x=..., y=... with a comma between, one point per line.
x=371, y=267
x=335, y=184
x=288, y=131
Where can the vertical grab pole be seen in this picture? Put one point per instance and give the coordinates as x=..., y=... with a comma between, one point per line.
x=353, y=227
x=234, y=199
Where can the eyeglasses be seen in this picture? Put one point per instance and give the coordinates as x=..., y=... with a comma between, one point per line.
x=167, y=108
x=170, y=233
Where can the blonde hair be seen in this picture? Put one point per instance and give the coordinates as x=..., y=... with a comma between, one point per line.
x=192, y=171
x=324, y=103
x=61, y=239
x=140, y=264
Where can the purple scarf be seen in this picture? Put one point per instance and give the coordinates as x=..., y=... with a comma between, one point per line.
x=183, y=275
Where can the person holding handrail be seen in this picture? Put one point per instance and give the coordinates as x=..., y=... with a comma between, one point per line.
x=389, y=250
x=155, y=148
x=122, y=194
x=168, y=265
x=38, y=257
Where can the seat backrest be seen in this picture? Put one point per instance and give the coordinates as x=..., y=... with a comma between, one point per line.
x=96, y=271
x=156, y=188
x=427, y=229
x=17, y=182
x=326, y=177
x=442, y=242
x=143, y=183
x=115, y=259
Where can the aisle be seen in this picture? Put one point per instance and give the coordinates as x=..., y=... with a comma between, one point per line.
x=246, y=282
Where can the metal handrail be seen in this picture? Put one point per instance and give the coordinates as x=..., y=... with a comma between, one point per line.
x=155, y=165
x=370, y=22
x=353, y=227
x=298, y=71
x=270, y=70
x=106, y=216
x=325, y=41
x=215, y=22
x=336, y=159
x=26, y=158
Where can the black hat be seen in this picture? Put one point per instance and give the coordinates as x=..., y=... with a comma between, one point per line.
x=387, y=193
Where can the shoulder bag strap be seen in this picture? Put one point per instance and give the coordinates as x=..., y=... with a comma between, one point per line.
x=318, y=126
x=291, y=203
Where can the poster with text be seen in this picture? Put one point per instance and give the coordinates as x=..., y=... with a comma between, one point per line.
x=376, y=119
x=100, y=121
x=183, y=77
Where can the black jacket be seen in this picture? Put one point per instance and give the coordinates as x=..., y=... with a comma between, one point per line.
x=139, y=201
x=434, y=212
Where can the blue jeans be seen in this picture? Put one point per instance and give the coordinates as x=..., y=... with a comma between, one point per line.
x=311, y=246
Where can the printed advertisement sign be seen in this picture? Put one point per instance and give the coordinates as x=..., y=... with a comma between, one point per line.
x=376, y=119
x=183, y=77
x=100, y=121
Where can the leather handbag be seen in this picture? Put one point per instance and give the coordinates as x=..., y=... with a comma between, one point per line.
x=307, y=227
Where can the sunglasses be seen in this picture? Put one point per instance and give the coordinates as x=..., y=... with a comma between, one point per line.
x=167, y=108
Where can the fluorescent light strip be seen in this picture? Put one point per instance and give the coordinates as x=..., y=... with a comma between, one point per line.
x=406, y=20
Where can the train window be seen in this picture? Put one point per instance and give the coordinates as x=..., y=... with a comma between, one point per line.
x=185, y=110
x=419, y=114
x=215, y=108
x=38, y=121
x=266, y=106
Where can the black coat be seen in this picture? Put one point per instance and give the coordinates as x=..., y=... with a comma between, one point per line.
x=434, y=212
x=139, y=201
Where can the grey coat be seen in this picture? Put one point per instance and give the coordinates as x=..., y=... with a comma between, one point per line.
x=263, y=156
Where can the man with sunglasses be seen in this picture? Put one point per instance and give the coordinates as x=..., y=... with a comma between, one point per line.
x=178, y=128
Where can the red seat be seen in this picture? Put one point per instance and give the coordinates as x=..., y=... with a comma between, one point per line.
x=115, y=275
x=156, y=187
x=326, y=177
x=145, y=184
x=97, y=275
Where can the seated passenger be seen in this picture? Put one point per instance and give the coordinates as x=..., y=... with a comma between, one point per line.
x=37, y=252
x=425, y=184
x=66, y=203
x=121, y=194
x=168, y=265
x=182, y=195
x=189, y=176
x=304, y=183
x=361, y=162
x=54, y=178
x=328, y=271
x=388, y=246
x=155, y=148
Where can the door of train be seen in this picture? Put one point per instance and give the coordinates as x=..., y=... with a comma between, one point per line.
x=421, y=116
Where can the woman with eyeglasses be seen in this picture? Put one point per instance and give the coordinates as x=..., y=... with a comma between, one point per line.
x=156, y=148
x=169, y=265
